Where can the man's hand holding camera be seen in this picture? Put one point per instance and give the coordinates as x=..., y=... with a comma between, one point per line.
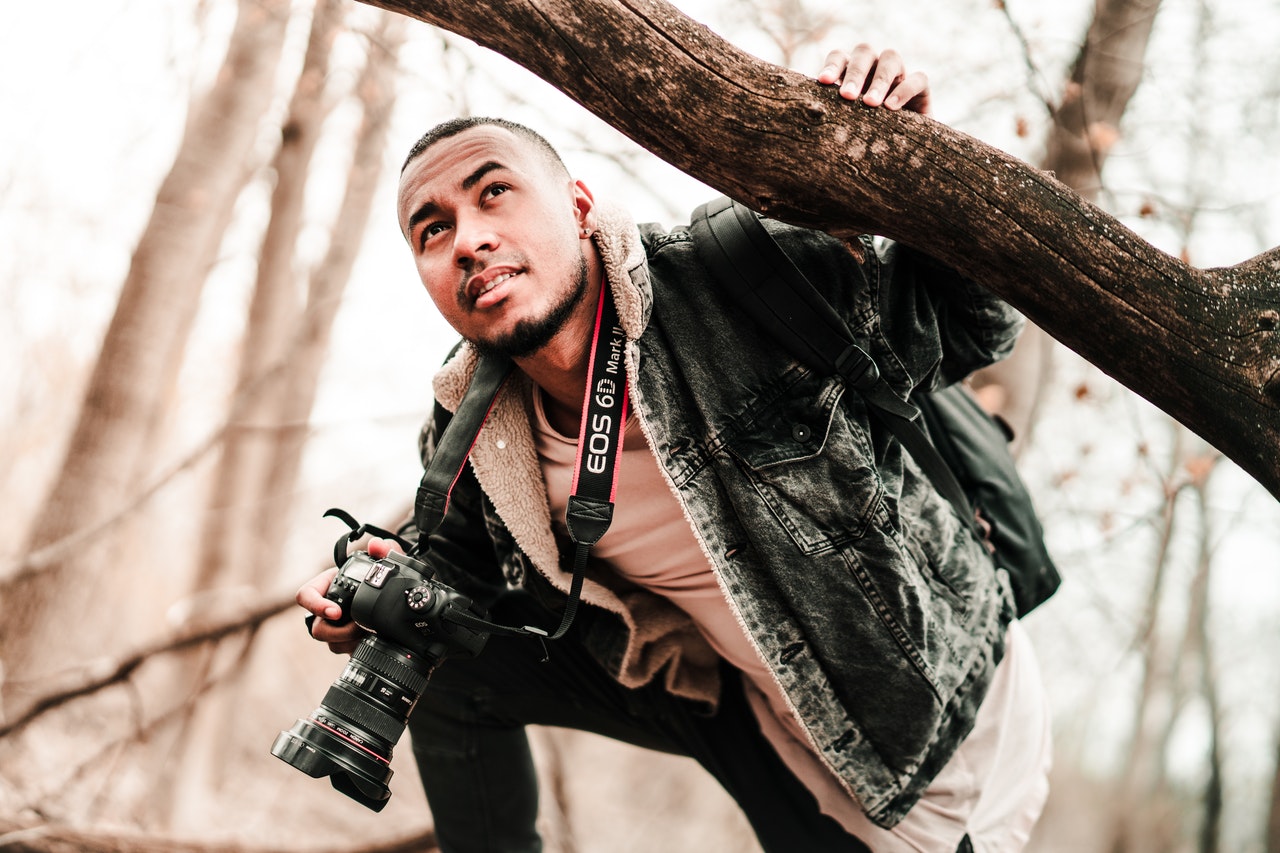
x=341, y=638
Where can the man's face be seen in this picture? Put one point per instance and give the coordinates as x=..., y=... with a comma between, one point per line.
x=496, y=234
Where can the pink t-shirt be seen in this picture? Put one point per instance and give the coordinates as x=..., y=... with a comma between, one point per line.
x=993, y=788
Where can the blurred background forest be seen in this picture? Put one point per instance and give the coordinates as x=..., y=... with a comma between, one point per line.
x=215, y=334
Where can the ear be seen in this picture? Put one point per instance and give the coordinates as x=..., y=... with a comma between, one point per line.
x=584, y=206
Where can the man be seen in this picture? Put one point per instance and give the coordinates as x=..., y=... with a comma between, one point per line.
x=781, y=595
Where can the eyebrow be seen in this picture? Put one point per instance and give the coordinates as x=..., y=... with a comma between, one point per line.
x=429, y=207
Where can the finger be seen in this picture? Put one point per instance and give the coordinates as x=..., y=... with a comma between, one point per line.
x=861, y=64
x=311, y=596
x=889, y=71
x=347, y=633
x=833, y=66
x=336, y=635
x=911, y=93
x=379, y=548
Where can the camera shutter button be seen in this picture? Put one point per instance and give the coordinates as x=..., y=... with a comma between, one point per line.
x=419, y=597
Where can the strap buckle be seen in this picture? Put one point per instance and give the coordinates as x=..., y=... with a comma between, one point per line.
x=857, y=368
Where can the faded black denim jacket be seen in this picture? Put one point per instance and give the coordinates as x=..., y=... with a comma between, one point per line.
x=876, y=611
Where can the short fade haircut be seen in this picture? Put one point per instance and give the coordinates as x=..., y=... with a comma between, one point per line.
x=453, y=127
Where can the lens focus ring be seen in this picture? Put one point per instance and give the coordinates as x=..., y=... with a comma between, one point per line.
x=369, y=718
x=401, y=673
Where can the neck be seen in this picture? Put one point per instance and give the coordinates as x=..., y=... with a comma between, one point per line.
x=560, y=368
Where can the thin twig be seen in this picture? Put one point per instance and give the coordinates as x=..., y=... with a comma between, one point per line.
x=1035, y=78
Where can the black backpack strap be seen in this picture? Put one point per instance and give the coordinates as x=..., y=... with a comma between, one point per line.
x=976, y=447
x=746, y=259
x=455, y=443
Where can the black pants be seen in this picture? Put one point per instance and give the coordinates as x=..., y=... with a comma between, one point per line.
x=470, y=745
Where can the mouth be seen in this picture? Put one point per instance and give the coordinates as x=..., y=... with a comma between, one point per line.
x=485, y=288
x=486, y=291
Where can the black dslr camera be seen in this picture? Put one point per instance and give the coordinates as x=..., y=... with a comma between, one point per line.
x=414, y=623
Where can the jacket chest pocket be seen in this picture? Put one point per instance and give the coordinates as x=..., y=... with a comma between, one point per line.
x=811, y=466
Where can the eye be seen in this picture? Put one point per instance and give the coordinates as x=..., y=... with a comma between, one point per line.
x=430, y=230
x=494, y=190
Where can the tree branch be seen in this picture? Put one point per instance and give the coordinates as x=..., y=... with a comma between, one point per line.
x=1199, y=344
x=123, y=668
x=51, y=838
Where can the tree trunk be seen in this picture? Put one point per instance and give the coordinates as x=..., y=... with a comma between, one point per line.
x=1085, y=126
x=1201, y=643
x=1104, y=77
x=376, y=92
x=1203, y=345
x=240, y=477
x=1272, y=840
x=284, y=388
x=1133, y=803
x=133, y=378
x=227, y=546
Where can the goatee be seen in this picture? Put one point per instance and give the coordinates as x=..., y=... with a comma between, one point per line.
x=533, y=334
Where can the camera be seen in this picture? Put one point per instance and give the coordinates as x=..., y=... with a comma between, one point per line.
x=414, y=622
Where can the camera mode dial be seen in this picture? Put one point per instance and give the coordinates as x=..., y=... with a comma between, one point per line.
x=419, y=598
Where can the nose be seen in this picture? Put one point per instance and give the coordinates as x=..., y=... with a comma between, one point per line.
x=473, y=236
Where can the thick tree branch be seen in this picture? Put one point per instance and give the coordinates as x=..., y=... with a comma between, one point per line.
x=1203, y=345
x=51, y=838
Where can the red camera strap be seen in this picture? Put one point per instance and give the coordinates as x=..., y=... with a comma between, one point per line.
x=595, y=480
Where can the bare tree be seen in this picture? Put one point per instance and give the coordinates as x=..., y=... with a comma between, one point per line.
x=240, y=476
x=1272, y=839
x=133, y=379
x=284, y=351
x=1084, y=127
x=376, y=92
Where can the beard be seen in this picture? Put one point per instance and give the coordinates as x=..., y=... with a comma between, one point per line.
x=533, y=334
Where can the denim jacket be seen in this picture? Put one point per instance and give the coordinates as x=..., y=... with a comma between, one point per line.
x=877, y=612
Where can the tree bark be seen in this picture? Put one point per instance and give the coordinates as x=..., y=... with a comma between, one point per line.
x=1203, y=345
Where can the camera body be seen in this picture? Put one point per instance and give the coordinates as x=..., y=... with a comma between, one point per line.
x=398, y=599
x=414, y=622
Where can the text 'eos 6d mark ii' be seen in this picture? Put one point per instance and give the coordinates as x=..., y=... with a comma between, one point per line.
x=414, y=623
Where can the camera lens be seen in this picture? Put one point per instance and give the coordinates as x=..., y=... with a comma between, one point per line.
x=349, y=738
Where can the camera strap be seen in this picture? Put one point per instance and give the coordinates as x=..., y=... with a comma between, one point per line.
x=604, y=415
x=590, y=507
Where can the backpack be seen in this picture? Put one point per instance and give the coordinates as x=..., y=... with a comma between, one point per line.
x=962, y=450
